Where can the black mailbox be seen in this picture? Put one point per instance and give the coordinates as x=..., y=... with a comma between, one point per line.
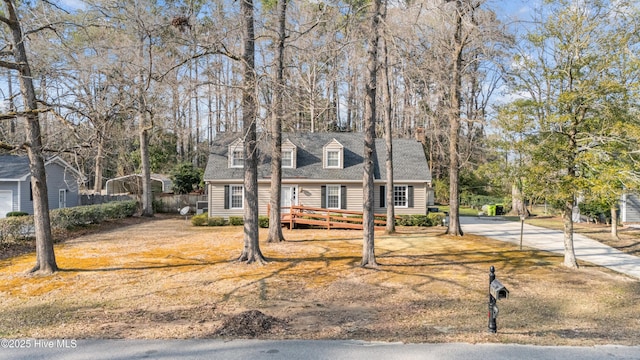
x=498, y=290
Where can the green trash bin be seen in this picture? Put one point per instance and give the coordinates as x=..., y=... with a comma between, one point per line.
x=491, y=210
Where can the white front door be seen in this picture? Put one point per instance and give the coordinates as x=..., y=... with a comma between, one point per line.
x=288, y=197
x=62, y=199
x=6, y=202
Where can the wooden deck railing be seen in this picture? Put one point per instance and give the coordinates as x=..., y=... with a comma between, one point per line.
x=328, y=218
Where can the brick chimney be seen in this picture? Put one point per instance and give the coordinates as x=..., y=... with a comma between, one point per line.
x=420, y=135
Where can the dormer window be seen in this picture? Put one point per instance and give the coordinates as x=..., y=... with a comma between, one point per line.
x=236, y=154
x=333, y=155
x=289, y=151
x=237, y=158
x=333, y=158
x=287, y=158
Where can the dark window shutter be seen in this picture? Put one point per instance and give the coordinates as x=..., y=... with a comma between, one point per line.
x=383, y=196
x=323, y=196
x=226, y=196
x=343, y=197
x=410, y=196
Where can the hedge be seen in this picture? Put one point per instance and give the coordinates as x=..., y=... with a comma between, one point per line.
x=22, y=227
x=431, y=219
x=69, y=218
x=205, y=220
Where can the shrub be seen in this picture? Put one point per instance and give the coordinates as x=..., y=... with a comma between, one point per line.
x=435, y=219
x=420, y=220
x=184, y=177
x=16, y=228
x=263, y=221
x=431, y=219
x=236, y=220
x=200, y=220
x=69, y=218
x=216, y=221
x=404, y=220
x=22, y=227
x=16, y=213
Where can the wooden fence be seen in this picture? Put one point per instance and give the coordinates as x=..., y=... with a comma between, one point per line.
x=328, y=218
x=170, y=203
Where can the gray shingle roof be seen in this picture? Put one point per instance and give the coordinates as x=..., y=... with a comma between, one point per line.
x=409, y=159
x=13, y=167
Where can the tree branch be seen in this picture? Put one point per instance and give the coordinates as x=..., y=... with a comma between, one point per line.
x=9, y=65
x=16, y=114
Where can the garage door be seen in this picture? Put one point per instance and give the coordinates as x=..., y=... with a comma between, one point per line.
x=6, y=202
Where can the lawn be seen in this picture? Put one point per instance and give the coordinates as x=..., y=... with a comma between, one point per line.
x=164, y=278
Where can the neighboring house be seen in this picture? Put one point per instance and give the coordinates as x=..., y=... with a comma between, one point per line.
x=132, y=184
x=630, y=208
x=318, y=170
x=15, y=184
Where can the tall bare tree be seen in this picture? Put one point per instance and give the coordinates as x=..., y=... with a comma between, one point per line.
x=368, y=247
x=45, y=256
x=455, y=104
x=388, y=135
x=275, y=223
x=251, y=251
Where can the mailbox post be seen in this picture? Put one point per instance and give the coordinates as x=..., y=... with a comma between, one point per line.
x=496, y=291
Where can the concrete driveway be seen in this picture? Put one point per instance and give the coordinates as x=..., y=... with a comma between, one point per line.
x=552, y=240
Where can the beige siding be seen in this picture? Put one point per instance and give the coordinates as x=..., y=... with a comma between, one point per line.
x=216, y=202
x=309, y=194
x=420, y=200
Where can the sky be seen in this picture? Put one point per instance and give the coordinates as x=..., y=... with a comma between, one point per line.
x=508, y=8
x=513, y=9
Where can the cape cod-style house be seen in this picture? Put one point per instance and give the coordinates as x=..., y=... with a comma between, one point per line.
x=322, y=170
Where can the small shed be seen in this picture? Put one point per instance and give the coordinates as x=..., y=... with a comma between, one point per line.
x=132, y=184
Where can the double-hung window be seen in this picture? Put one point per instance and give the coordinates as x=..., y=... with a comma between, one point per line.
x=333, y=196
x=333, y=158
x=287, y=158
x=237, y=159
x=400, y=196
x=236, y=196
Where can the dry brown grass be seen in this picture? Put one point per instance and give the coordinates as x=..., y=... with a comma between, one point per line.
x=166, y=279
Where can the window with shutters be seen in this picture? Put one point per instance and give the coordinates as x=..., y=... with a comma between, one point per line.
x=236, y=196
x=333, y=196
x=400, y=196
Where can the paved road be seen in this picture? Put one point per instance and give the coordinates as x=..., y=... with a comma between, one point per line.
x=307, y=350
x=552, y=240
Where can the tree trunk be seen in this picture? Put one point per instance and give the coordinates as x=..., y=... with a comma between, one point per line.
x=97, y=186
x=517, y=202
x=147, y=195
x=45, y=256
x=143, y=128
x=368, y=248
x=388, y=138
x=614, y=222
x=275, y=223
x=454, y=128
x=569, y=252
x=251, y=251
